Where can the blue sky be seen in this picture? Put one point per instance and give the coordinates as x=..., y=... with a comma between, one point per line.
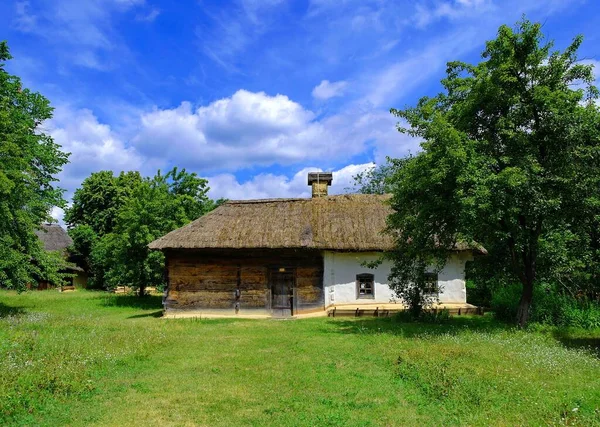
x=252, y=94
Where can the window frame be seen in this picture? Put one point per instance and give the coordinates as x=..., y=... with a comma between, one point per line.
x=361, y=278
x=428, y=276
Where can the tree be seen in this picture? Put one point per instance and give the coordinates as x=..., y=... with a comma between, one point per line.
x=29, y=162
x=93, y=214
x=377, y=180
x=157, y=206
x=97, y=202
x=510, y=160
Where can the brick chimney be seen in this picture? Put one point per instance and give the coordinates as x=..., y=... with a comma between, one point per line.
x=319, y=182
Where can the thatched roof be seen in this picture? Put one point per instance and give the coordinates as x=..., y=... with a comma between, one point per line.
x=347, y=223
x=54, y=237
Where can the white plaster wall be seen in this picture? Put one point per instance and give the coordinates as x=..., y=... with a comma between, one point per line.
x=341, y=268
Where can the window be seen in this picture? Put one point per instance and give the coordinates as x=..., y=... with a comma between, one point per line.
x=365, y=286
x=431, y=283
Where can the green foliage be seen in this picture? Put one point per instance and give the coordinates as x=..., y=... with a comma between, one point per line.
x=551, y=307
x=29, y=161
x=97, y=202
x=510, y=160
x=155, y=207
x=84, y=239
x=93, y=214
x=114, y=218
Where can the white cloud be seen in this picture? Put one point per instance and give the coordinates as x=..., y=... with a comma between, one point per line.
x=93, y=146
x=426, y=14
x=254, y=129
x=80, y=32
x=149, y=16
x=245, y=130
x=327, y=89
x=264, y=186
x=596, y=65
x=58, y=214
x=231, y=30
x=396, y=80
x=476, y=21
x=25, y=20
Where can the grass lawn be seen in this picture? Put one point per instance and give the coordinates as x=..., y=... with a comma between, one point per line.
x=86, y=358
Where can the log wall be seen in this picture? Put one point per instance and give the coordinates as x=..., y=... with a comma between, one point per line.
x=207, y=280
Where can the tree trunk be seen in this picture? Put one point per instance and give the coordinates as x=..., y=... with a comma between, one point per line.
x=142, y=291
x=525, y=303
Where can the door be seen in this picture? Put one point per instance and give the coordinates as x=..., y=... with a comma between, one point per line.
x=282, y=291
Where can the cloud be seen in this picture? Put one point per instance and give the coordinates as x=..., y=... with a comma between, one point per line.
x=326, y=89
x=58, y=214
x=25, y=20
x=251, y=129
x=232, y=30
x=475, y=20
x=397, y=79
x=80, y=32
x=596, y=64
x=149, y=16
x=426, y=14
x=265, y=186
x=94, y=146
x=244, y=131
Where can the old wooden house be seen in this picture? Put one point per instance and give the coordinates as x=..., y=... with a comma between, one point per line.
x=54, y=238
x=282, y=257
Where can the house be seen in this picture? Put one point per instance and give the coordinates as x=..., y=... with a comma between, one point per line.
x=55, y=239
x=283, y=257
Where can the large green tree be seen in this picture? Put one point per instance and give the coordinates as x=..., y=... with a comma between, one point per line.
x=157, y=206
x=29, y=162
x=93, y=214
x=511, y=151
x=97, y=202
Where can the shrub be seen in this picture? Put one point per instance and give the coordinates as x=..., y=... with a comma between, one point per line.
x=550, y=307
x=480, y=293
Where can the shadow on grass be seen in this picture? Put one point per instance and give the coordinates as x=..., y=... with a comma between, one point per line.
x=7, y=310
x=396, y=326
x=592, y=344
x=147, y=302
x=153, y=314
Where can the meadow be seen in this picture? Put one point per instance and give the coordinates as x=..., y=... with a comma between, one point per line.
x=91, y=358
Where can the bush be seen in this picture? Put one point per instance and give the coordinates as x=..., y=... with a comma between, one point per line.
x=550, y=307
x=480, y=293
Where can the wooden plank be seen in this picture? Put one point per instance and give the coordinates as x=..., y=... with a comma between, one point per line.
x=208, y=279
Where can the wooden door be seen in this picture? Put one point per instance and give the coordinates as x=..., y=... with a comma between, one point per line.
x=282, y=291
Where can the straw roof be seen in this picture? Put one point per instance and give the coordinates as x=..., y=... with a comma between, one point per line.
x=347, y=223
x=54, y=237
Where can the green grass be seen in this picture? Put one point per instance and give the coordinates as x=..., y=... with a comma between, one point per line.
x=87, y=358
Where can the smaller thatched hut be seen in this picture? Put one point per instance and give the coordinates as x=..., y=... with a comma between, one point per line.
x=55, y=239
x=290, y=256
